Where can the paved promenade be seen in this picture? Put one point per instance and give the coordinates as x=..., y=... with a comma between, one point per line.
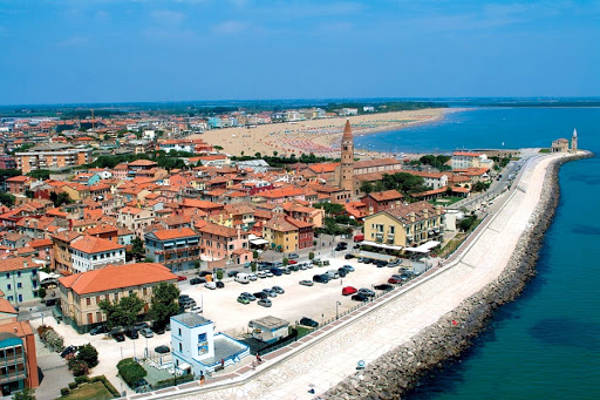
x=333, y=353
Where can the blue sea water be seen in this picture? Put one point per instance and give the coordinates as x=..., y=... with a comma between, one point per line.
x=546, y=344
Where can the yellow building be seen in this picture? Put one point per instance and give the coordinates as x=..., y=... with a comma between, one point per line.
x=405, y=226
x=81, y=294
x=281, y=234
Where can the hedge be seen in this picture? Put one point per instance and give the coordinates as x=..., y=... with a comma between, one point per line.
x=72, y=385
x=64, y=391
x=172, y=381
x=107, y=384
x=130, y=371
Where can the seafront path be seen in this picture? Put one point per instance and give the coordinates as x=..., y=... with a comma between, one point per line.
x=327, y=356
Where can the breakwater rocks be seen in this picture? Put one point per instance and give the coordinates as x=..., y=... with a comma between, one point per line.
x=395, y=373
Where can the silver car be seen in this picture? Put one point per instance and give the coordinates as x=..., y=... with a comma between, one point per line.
x=146, y=332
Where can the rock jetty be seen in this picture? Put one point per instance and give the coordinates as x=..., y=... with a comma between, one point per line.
x=397, y=372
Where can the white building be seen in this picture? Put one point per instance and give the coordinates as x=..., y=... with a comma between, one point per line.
x=149, y=134
x=269, y=329
x=466, y=159
x=195, y=345
x=90, y=252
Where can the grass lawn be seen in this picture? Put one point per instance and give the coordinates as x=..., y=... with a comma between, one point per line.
x=303, y=330
x=446, y=201
x=89, y=391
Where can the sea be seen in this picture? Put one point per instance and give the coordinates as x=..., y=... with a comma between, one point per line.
x=546, y=344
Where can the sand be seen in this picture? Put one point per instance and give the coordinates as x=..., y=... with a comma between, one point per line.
x=320, y=136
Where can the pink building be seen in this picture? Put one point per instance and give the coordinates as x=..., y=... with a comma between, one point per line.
x=218, y=242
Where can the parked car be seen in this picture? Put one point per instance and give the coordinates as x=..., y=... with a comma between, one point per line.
x=384, y=287
x=119, y=337
x=196, y=309
x=159, y=330
x=332, y=274
x=342, y=272
x=326, y=262
x=162, y=349
x=286, y=271
x=394, y=281
x=265, y=303
x=294, y=268
x=275, y=271
x=308, y=322
x=366, y=292
x=249, y=296
x=262, y=274
x=363, y=260
x=348, y=268
x=292, y=262
x=303, y=266
x=210, y=285
x=348, y=256
x=183, y=296
x=306, y=282
x=252, y=277
x=278, y=289
x=359, y=297
x=232, y=273
x=181, y=278
x=243, y=300
x=132, y=333
x=260, y=295
x=269, y=274
x=348, y=290
x=196, y=281
x=292, y=256
x=147, y=332
x=270, y=292
x=141, y=325
x=98, y=330
x=321, y=278
x=68, y=350
x=220, y=284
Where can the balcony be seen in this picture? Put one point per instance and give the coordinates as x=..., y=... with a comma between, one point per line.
x=12, y=376
x=177, y=249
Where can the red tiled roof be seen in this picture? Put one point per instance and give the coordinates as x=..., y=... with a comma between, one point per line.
x=92, y=244
x=166, y=234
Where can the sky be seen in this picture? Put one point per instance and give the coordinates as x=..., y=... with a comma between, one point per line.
x=70, y=51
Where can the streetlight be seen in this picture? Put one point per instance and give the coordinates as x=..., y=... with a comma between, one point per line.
x=337, y=303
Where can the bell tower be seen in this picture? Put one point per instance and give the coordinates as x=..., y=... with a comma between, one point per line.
x=347, y=160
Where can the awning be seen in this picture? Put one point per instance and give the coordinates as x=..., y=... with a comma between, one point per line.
x=424, y=248
x=381, y=245
x=259, y=242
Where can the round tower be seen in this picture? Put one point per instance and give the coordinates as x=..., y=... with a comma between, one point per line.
x=347, y=160
x=574, y=140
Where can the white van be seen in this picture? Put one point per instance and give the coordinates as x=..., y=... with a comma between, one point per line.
x=242, y=278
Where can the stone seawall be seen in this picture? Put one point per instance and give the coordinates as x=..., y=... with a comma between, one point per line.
x=395, y=373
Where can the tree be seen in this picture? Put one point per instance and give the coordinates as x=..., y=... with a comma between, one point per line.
x=330, y=208
x=366, y=187
x=123, y=313
x=41, y=293
x=255, y=254
x=311, y=255
x=89, y=354
x=285, y=261
x=42, y=174
x=253, y=266
x=7, y=199
x=163, y=304
x=219, y=274
x=466, y=223
x=26, y=394
x=137, y=248
x=60, y=198
x=217, y=147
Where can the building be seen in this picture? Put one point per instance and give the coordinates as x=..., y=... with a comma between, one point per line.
x=574, y=141
x=61, y=255
x=19, y=279
x=52, y=156
x=17, y=185
x=378, y=201
x=195, y=346
x=466, y=159
x=135, y=219
x=18, y=361
x=178, y=249
x=404, y=226
x=560, y=145
x=219, y=242
x=288, y=234
x=80, y=294
x=90, y=252
x=269, y=329
x=7, y=162
x=347, y=160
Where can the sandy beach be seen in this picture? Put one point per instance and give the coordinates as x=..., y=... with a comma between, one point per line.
x=320, y=136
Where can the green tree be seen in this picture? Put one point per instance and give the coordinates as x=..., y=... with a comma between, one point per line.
x=219, y=274
x=42, y=174
x=285, y=261
x=7, y=199
x=330, y=208
x=253, y=266
x=41, y=293
x=89, y=354
x=366, y=187
x=123, y=313
x=25, y=394
x=60, y=198
x=311, y=255
x=163, y=304
x=217, y=147
x=137, y=248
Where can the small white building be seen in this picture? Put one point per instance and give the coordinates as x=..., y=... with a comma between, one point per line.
x=269, y=329
x=195, y=345
x=91, y=252
x=467, y=159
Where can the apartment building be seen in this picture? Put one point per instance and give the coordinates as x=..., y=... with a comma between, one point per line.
x=81, y=294
x=135, y=219
x=178, y=249
x=467, y=159
x=219, y=242
x=19, y=279
x=90, y=252
x=52, y=156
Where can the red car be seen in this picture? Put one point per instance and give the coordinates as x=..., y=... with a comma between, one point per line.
x=181, y=278
x=292, y=262
x=394, y=281
x=348, y=290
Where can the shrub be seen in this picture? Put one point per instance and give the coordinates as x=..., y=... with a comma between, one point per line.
x=130, y=371
x=72, y=385
x=78, y=367
x=64, y=391
x=311, y=255
x=81, y=379
x=285, y=261
x=89, y=354
x=219, y=274
x=107, y=384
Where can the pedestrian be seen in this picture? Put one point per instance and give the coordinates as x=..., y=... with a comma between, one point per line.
x=258, y=358
x=222, y=363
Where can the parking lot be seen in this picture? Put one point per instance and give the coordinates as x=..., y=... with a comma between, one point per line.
x=317, y=302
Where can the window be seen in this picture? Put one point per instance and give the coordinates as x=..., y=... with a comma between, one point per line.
x=8, y=286
x=179, y=331
x=20, y=298
x=18, y=274
x=180, y=347
x=10, y=298
x=88, y=301
x=19, y=285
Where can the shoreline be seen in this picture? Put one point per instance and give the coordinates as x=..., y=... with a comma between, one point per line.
x=319, y=136
x=397, y=372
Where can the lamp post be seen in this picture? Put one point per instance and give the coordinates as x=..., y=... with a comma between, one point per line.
x=337, y=303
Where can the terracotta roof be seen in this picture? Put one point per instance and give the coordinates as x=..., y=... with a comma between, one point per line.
x=218, y=230
x=466, y=153
x=142, y=163
x=18, y=328
x=40, y=243
x=279, y=223
x=347, y=130
x=386, y=195
x=380, y=162
x=201, y=204
x=404, y=212
x=6, y=307
x=20, y=179
x=16, y=263
x=93, y=244
x=167, y=234
x=116, y=277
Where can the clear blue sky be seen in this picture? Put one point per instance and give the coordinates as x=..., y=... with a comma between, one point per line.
x=64, y=51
